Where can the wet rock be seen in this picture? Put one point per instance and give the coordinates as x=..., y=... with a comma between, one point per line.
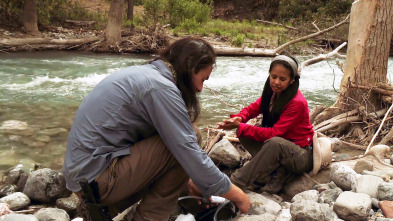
x=7, y=189
x=311, y=211
x=69, y=204
x=310, y=195
x=362, y=165
x=43, y=138
x=16, y=201
x=343, y=176
x=52, y=131
x=330, y=195
x=261, y=205
x=16, y=127
x=45, y=185
x=387, y=208
x=52, y=214
x=368, y=184
x=284, y=215
x=22, y=181
x=263, y=217
x=18, y=217
x=385, y=191
x=352, y=206
x=13, y=176
x=225, y=153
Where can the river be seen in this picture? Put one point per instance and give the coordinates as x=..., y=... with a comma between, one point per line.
x=44, y=90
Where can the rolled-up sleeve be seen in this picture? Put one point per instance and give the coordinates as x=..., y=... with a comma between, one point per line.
x=165, y=110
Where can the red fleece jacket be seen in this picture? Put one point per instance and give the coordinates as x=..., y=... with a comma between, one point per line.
x=293, y=124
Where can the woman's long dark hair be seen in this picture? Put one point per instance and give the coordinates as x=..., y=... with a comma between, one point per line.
x=188, y=56
x=270, y=118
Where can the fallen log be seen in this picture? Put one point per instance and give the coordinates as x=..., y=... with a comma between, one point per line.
x=12, y=42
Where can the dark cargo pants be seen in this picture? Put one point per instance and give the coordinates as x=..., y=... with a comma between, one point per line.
x=270, y=155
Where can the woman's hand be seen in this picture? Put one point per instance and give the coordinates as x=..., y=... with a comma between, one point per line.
x=229, y=124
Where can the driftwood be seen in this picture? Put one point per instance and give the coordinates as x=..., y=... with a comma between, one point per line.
x=80, y=23
x=317, y=110
x=214, y=141
x=376, y=89
x=379, y=129
x=231, y=139
x=12, y=42
x=228, y=51
x=322, y=57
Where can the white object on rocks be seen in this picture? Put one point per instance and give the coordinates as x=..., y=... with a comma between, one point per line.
x=368, y=184
x=52, y=214
x=352, y=206
x=311, y=195
x=311, y=211
x=343, y=176
x=385, y=191
x=18, y=217
x=225, y=153
x=17, y=201
x=261, y=204
x=45, y=185
x=188, y=217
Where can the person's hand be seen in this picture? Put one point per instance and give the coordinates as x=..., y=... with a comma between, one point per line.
x=229, y=124
x=239, y=198
x=193, y=190
x=244, y=205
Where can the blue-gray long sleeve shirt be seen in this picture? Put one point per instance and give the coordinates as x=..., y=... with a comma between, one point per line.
x=129, y=106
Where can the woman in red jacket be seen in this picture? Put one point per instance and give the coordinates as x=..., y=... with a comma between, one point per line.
x=282, y=146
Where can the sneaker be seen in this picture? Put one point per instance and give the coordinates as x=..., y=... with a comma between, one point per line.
x=277, y=180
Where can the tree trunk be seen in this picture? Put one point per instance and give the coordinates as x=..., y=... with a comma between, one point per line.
x=130, y=11
x=115, y=18
x=370, y=33
x=29, y=17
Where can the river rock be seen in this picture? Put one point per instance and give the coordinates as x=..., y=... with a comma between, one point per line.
x=7, y=189
x=310, y=195
x=387, y=208
x=352, y=206
x=362, y=165
x=43, y=138
x=329, y=196
x=262, y=217
x=383, y=219
x=343, y=176
x=384, y=174
x=45, y=185
x=261, y=205
x=379, y=151
x=16, y=201
x=52, y=131
x=18, y=217
x=52, y=214
x=16, y=127
x=368, y=184
x=385, y=191
x=284, y=215
x=337, y=144
x=69, y=204
x=22, y=181
x=309, y=210
x=285, y=205
x=225, y=153
x=13, y=176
